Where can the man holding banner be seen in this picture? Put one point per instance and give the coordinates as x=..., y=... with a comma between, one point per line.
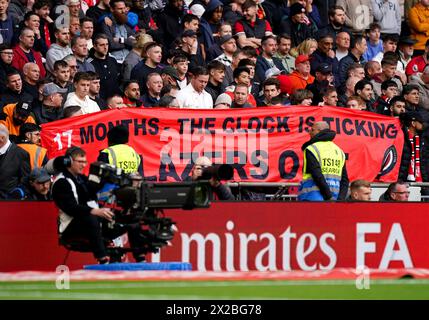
x=324, y=175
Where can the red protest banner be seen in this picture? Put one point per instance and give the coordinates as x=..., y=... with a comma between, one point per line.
x=262, y=144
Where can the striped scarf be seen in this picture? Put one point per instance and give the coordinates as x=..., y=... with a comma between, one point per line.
x=414, y=173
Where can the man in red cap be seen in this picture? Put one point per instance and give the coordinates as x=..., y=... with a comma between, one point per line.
x=301, y=76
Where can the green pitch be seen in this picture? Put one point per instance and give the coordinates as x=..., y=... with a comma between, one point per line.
x=116, y=290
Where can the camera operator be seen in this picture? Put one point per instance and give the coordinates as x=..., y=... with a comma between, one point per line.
x=221, y=191
x=79, y=214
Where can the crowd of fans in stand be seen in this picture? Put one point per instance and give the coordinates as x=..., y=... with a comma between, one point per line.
x=61, y=59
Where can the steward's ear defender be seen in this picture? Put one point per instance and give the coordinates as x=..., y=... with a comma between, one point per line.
x=68, y=156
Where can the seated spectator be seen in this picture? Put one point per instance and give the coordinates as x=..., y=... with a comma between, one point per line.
x=356, y=103
x=405, y=51
x=61, y=76
x=115, y=102
x=87, y=30
x=337, y=21
x=29, y=140
x=153, y=94
x=371, y=69
x=240, y=97
x=301, y=76
x=13, y=116
x=284, y=44
x=131, y=97
x=324, y=54
x=242, y=76
x=306, y=48
x=81, y=97
x=389, y=89
x=24, y=52
x=397, y=191
x=349, y=91
x=51, y=107
x=358, y=14
x=181, y=63
x=36, y=187
x=223, y=101
x=411, y=94
x=14, y=92
x=301, y=97
x=227, y=47
x=14, y=163
x=360, y=190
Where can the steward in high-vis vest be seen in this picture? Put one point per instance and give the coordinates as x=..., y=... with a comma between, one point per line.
x=119, y=154
x=324, y=174
x=29, y=140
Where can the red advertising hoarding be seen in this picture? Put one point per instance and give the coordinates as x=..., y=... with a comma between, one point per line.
x=246, y=236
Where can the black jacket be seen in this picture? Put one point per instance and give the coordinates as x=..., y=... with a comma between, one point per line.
x=298, y=31
x=14, y=167
x=109, y=73
x=406, y=156
x=26, y=192
x=63, y=196
x=170, y=24
x=313, y=167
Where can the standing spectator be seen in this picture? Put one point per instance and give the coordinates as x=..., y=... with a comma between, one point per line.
x=14, y=163
x=29, y=140
x=31, y=74
x=6, y=58
x=153, y=92
x=87, y=30
x=301, y=76
x=131, y=97
x=251, y=29
x=228, y=46
x=18, y=8
x=297, y=25
x=337, y=21
x=418, y=20
x=343, y=45
x=42, y=8
x=24, y=52
x=223, y=101
x=79, y=47
x=80, y=97
x=317, y=184
x=98, y=14
x=135, y=55
x=359, y=47
x=169, y=76
x=105, y=66
x=411, y=95
x=284, y=43
x=375, y=45
x=59, y=49
x=216, y=76
x=51, y=107
x=194, y=96
x=120, y=35
x=14, y=92
x=266, y=59
x=358, y=14
x=14, y=115
x=355, y=103
x=415, y=158
x=150, y=64
x=387, y=14
x=7, y=23
x=169, y=21
x=360, y=190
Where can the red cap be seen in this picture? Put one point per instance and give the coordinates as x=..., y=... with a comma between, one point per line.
x=302, y=58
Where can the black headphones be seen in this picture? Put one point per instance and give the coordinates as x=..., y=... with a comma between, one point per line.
x=67, y=161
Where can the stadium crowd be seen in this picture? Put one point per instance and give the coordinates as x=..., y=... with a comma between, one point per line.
x=62, y=59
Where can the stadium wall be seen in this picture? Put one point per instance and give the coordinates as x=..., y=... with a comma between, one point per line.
x=245, y=236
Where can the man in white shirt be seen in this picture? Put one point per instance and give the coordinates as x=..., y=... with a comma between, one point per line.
x=80, y=97
x=194, y=96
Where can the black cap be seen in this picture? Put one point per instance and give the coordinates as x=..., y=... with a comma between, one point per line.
x=118, y=135
x=23, y=109
x=408, y=116
x=324, y=68
x=225, y=39
x=171, y=72
x=296, y=8
x=28, y=127
x=189, y=33
x=407, y=40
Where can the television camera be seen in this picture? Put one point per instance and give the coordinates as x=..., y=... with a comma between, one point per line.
x=142, y=202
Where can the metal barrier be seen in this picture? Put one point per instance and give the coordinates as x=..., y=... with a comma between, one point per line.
x=288, y=191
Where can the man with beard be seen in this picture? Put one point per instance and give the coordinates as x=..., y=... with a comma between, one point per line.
x=105, y=66
x=397, y=106
x=120, y=35
x=323, y=180
x=24, y=52
x=337, y=22
x=35, y=187
x=29, y=140
x=59, y=49
x=13, y=116
x=169, y=22
x=131, y=96
x=266, y=59
x=324, y=54
x=406, y=51
x=364, y=89
x=14, y=92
